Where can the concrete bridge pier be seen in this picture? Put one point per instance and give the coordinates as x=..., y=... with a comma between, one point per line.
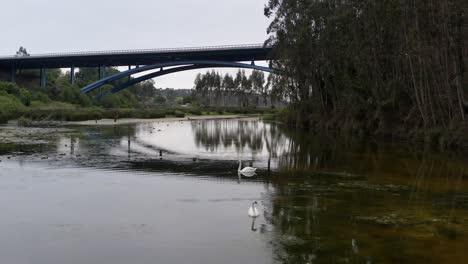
x=13, y=74
x=43, y=81
x=102, y=72
x=129, y=77
x=72, y=75
x=101, y=75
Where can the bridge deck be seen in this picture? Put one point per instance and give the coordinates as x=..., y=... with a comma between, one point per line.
x=254, y=52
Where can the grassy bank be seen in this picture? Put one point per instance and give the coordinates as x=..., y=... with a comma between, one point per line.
x=12, y=108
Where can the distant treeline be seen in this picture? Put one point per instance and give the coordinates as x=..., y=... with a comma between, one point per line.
x=373, y=66
x=213, y=89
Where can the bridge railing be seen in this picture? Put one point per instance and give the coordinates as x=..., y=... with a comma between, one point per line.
x=136, y=51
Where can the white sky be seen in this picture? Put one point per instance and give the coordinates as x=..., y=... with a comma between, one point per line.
x=44, y=26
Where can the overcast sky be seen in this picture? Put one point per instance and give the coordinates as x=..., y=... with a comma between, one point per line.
x=44, y=26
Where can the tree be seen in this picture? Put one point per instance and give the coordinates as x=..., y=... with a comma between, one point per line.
x=25, y=97
x=257, y=78
x=22, y=52
x=246, y=88
x=380, y=64
x=228, y=83
x=160, y=99
x=187, y=100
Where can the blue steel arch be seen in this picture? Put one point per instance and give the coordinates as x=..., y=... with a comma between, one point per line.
x=152, y=75
x=186, y=65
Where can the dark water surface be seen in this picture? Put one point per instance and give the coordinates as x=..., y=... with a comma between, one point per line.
x=106, y=195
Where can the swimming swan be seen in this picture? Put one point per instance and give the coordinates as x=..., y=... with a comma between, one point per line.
x=246, y=170
x=253, y=211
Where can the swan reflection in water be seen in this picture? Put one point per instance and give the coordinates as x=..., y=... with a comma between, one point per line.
x=253, y=213
x=253, y=228
x=246, y=175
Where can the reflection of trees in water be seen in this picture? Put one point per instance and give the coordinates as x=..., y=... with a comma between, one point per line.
x=241, y=135
x=212, y=134
x=349, y=155
x=380, y=210
x=309, y=151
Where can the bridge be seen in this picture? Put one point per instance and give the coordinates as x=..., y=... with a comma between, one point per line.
x=166, y=61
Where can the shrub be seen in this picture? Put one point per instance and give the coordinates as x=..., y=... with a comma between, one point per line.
x=25, y=97
x=24, y=122
x=195, y=111
x=10, y=108
x=41, y=97
x=10, y=88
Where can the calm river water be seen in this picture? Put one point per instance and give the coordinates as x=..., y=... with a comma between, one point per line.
x=106, y=195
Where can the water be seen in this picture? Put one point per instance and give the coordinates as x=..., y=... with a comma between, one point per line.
x=106, y=195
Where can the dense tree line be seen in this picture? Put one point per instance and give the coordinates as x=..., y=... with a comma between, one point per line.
x=378, y=65
x=215, y=88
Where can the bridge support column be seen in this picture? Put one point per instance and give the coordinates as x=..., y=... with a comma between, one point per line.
x=13, y=74
x=43, y=77
x=102, y=72
x=130, y=76
x=99, y=78
x=72, y=75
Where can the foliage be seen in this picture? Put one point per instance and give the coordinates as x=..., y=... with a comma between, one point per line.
x=187, y=100
x=24, y=122
x=375, y=64
x=179, y=100
x=179, y=114
x=40, y=97
x=22, y=52
x=214, y=88
x=25, y=97
x=160, y=99
x=9, y=88
x=11, y=107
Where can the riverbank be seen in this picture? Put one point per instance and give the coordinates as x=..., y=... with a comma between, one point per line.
x=12, y=133
x=41, y=132
x=124, y=121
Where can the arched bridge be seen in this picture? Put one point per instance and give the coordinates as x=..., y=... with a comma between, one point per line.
x=167, y=60
x=176, y=67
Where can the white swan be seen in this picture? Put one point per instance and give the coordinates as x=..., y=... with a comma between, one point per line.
x=253, y=211
x=246, y=170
